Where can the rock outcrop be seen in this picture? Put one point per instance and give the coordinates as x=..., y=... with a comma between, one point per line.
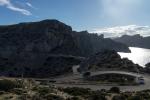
x=108, y=60
x=48, y=36
x=91, y=43
x=147, y=68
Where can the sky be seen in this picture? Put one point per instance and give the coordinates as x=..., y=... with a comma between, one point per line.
x=111, y=17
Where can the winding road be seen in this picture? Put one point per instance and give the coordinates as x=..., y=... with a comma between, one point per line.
x=92, y=86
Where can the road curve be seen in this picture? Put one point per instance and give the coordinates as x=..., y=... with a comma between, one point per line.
x=107, y=87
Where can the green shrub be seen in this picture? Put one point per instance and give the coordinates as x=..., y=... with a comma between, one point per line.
x=6, y=85
x=114, y=90
x=135, y=98
x=43, y=90
x=75, y=91
x=144, y=95
x=53, y=97
x=74, y=98
x=2, y=92
x=119, y=97
x=96, y=97
x=19, y=91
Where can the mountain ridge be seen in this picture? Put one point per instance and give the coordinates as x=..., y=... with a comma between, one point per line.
x=27, y=48
x=134, y=41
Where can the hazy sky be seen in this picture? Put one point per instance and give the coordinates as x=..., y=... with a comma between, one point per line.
x=80, y=14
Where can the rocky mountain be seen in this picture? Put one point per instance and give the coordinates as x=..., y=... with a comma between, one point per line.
x=108, y=60
x=48, y=36
x=134, y=41
x=28, y=48
x=90, y=44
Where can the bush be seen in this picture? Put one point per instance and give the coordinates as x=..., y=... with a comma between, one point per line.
x=19, y=91
x=75, y=91
x=144, y=95
x=53, y=97
x=43, y=90
x=135, y=98
x=119, y=97
x=115, y=90
x=96, y=97
x=74, y=98
x=6, y=85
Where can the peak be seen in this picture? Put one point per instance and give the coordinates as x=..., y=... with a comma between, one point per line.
x=41, y=26
x=50, y=20
x=46, y=21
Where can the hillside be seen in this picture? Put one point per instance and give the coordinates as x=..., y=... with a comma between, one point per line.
x=25, y=48
x=109, y=60
x=90, y=43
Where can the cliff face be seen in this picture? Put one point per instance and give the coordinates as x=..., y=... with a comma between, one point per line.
x=48, y=36
x=134, y=41
x=25, y=48
x=90, y=44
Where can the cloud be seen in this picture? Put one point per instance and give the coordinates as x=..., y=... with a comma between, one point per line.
x=30, y=5
x=12, y=7
x=120, y=11
x=122, y=30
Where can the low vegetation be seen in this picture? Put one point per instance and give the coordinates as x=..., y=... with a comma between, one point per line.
x=15, y=89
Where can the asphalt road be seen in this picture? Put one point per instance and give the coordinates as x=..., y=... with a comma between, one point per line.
x=77, y=83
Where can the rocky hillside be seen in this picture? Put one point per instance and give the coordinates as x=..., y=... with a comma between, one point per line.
x=90, y=43
x=109, y=60
x=48, y=36
x=26, y=48
x=134, y=41
x=54, y=37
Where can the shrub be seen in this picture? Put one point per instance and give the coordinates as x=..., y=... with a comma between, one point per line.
x=43, y=90
x=114, y=90
x=53, y=97
x=96, y=97
x=75, y=91
x=19, y=91
x=6, y=85
x=144, y=95
x=135, y=98
x=119, y=97
x=74, y=98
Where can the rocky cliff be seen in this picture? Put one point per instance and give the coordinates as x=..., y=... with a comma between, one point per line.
x=91, y=43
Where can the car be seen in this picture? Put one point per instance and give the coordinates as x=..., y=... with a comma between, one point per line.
x=141, y=80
